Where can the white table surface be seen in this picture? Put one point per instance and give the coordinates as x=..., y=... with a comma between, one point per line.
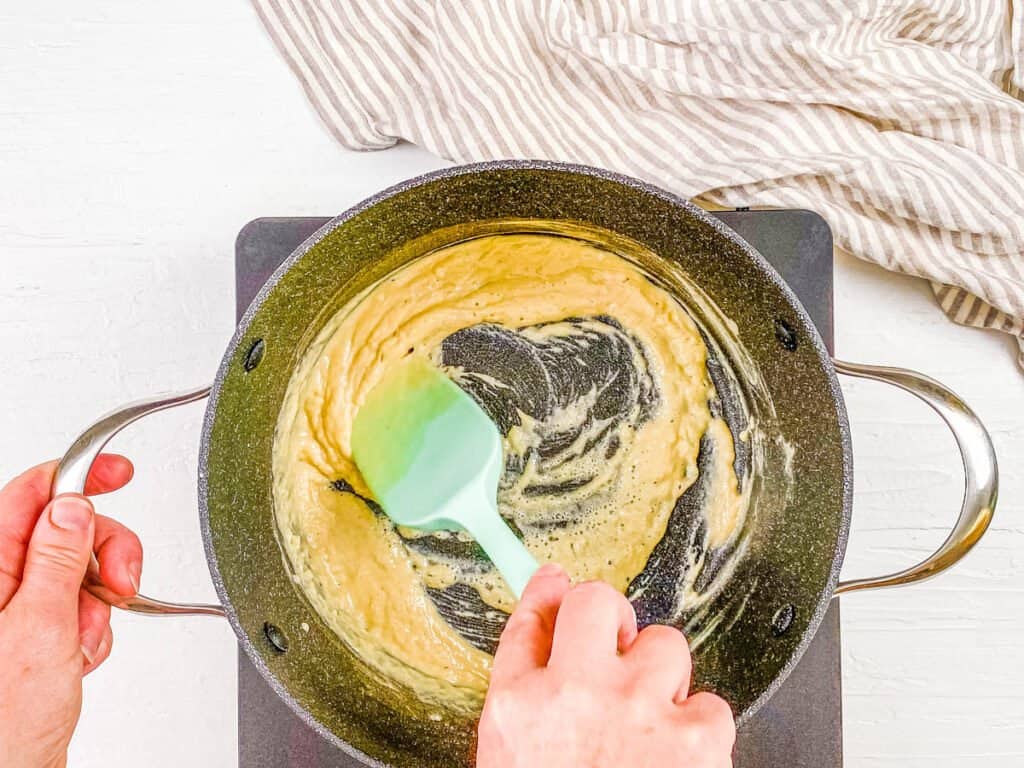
x=137, y=138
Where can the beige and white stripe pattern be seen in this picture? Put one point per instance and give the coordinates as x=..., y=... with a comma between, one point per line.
x=900, y=121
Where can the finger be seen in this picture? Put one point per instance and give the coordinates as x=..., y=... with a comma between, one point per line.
x=32, y=487
x=526, y=640
x=93, y=624
x=109, y=472
x=713, y=717
x=593, y=622
x=101, y=653
x=660, y=660
x=119, y=552
x=55, y=563
x=24, y=497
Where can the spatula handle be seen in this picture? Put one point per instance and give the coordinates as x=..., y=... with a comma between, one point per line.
x=509, y=555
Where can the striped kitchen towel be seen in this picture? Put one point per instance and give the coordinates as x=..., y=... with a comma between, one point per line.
x=900, y=121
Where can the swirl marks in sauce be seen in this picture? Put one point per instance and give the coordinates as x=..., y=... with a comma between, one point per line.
x=597, y=379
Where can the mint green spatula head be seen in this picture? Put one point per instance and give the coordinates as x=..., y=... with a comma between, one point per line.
x=432, y=459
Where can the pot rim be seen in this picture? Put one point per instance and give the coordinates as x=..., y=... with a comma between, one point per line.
x=824, y=598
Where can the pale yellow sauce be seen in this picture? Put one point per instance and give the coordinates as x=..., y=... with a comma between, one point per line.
x=357, y=571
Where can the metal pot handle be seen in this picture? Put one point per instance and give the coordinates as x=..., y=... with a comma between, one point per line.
x=72, y=471
x=981, y=473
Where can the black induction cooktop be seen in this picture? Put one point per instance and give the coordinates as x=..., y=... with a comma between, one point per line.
x=799, y=727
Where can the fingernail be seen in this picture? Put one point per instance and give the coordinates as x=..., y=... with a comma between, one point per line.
x=101, y=648
x=90, y=642
x=550, y=569
x=72, y=513
x=134, y=573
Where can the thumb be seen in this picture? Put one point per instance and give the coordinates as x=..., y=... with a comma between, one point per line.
x=57, y=557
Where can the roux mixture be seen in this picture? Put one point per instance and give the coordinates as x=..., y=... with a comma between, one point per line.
x=597, y=380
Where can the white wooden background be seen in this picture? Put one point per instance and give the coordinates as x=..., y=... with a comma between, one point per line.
x=136, y=138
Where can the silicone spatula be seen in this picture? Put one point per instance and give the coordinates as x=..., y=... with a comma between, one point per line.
x=432, y=459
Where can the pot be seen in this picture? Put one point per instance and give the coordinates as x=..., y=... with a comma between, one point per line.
x=765, y=357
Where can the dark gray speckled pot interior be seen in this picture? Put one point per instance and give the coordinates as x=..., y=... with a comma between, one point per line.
x=794, y=553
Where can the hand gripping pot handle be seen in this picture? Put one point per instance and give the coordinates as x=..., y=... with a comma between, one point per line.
x=72, y=472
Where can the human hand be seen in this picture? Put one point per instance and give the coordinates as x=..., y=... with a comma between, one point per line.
x=574, y=685
x=53, y=632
